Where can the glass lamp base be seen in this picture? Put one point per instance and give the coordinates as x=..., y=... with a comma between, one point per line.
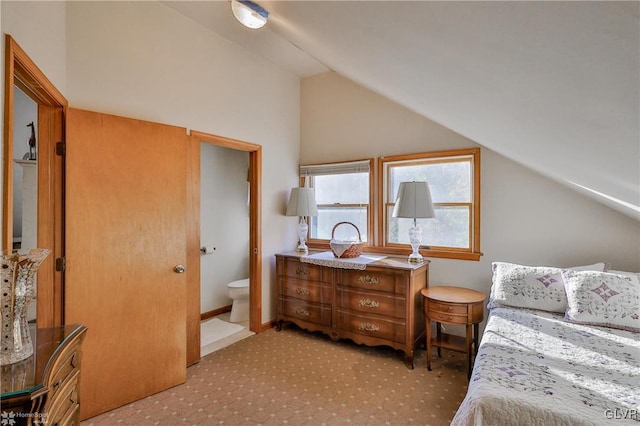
x=303, y=228
x=415, y=238
x=415, y=256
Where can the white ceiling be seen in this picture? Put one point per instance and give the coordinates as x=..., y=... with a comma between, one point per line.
x=551, y=85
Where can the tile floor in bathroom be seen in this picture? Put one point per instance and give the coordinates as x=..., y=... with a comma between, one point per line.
x=229, y=340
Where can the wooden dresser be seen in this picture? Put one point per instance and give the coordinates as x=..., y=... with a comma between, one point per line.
x=380, y=305
x=43, y=389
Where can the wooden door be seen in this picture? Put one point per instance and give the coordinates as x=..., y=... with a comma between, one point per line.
x=125, y=233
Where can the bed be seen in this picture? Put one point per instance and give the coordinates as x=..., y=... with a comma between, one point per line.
x=580, y=366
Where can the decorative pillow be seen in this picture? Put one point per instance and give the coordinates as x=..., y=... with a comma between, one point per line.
x=532, y=287
x=636, y=274
x=605, y=299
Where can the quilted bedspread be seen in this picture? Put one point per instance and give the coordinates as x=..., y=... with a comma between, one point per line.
x=534, y=368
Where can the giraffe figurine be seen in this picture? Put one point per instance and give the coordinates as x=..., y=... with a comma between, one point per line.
x=32, y=142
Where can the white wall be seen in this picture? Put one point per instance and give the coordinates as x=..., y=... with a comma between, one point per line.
x=39, y=28
x=144, y=60
x=224, y=222
x=525, y=218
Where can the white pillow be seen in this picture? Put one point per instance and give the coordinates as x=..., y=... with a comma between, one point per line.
x=603, y=298
x=637, y=274
x=531, y=287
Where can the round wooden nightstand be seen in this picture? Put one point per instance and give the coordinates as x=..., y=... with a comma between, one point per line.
x=453, y=305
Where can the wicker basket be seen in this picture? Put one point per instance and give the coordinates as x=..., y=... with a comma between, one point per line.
x=346, y=249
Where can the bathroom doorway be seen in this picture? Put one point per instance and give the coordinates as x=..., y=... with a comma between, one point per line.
x=234, y=248
x=224, y=239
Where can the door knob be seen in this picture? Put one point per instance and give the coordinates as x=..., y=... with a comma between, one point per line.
x=179, y=269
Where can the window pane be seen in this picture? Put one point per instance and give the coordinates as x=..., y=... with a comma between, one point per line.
x=449, y=182
x=450, y=227
x=350, y=188
x=322, y=225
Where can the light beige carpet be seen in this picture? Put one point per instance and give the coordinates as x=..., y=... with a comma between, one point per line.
x=299, y=378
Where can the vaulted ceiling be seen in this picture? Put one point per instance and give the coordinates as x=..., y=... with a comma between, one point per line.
x=554, y=86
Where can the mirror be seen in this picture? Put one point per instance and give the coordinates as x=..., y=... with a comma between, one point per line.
x=25, y=177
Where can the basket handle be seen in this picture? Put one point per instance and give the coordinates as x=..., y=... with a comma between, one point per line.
x=347, y=223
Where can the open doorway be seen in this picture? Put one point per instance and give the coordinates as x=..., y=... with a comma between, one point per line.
x=22, y=74
x=195, y=241
x=224, y=236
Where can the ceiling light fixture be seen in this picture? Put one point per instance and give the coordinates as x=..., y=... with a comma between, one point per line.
x=249, y=14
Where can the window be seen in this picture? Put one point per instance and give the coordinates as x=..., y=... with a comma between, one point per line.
x=342, y=195
x=454, y=181
x=346, y=192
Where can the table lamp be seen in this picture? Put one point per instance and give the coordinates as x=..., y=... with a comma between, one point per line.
x=414, y=201
x=302, y=203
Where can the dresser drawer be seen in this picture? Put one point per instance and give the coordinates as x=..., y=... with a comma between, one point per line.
x=305, y=290
x=448, y=308
x=72, y=418
x=373, y=280
x=305, y=271
x=64, y=367
x=377, y=303
x=449, y=318
x=369, y=326
x=65, y=403
x=309, y=312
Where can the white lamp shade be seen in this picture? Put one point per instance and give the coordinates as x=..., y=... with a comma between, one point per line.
x=302, y=202
x=414, y=201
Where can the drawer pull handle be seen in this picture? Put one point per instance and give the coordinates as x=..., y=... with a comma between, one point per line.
x=58, y=383
x=303, y=291
x=368, y=303
x=366, y=279
x=449, y=309
x=367, y=326
x=302, y=312
x=301, y=270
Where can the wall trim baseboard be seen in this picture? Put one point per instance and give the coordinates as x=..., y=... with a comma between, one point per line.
x=215, y=312
x=267, y=325
x=210, y=314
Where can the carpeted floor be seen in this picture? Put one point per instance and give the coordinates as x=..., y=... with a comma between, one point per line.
x=299, y=378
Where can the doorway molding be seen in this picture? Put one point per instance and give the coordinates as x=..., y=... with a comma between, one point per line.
x=22, y=72
x=193, y=235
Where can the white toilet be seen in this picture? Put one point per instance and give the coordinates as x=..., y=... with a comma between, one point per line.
x=239, y=292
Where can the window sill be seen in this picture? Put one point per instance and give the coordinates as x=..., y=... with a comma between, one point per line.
x=443, y=254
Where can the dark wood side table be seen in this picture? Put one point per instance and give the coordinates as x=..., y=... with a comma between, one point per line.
x=453, y=305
